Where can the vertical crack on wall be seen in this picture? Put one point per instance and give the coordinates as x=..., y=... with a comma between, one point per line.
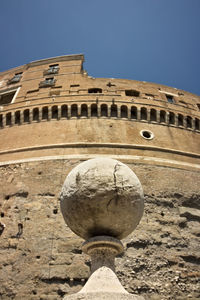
x=115, y=185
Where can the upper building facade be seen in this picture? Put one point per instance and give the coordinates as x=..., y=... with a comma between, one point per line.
x=52, y=104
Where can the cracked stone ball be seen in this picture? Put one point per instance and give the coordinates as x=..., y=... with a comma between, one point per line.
x=102, y=196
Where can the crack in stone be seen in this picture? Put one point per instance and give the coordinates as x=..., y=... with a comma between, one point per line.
x=115, y=185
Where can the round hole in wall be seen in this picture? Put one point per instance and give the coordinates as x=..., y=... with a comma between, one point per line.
x=146, y=134
x=55, y=211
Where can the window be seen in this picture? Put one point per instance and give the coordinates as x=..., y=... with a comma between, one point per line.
x=64, y=111
x=198, y=106
x=143, y=113
x=95, y=90
x=133, y=112
x=1, y=121
x=49, y=81
x=35, y=114
x=197, y=124
x=93, y=110
x=16, y=78
x=171, y=118
x=8, y=96
x=180, y=120
x=17, y=117
x=45, y=113
x=53, y=69
x=114, y=110
x=8, y=119
x=162, y=116
x=124, y=111
x=26, y=116
x=84, y=110
x=153, y=115
x=104, y=110
x=188, y=122
x=54, y=112
x=132, y=93
x=74, y=110
x=170, y=98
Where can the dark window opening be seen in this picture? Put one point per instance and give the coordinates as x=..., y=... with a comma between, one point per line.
x=132, y=93
x=93, y=110
x=26, y=116
x=64, y=111
x=104, y=110
x=84, y=110
x=53, y=69
x=198, y=106
x=17, y=117
x=45, y=113
x=170, y=98
x=143, y=113
x=171, y=118
x=133, y=112
x=74, y=110
x=124, y=111
x=1, y=121
x=180, y=120
x=153, y=115
x=54, y=112
x=47, y=82
x=189, y=122
x=16, y=78
x=162, y=116
x=6, y=98
x=114, y=110
x=197, y=126
x=8, y=119
x=36, y=114
x=95, y=90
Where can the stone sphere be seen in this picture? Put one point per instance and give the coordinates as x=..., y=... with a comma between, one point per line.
x=102, y=196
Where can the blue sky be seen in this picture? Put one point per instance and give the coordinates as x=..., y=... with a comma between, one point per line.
x=150, y=40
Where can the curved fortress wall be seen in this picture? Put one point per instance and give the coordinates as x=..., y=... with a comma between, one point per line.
x=52, y=116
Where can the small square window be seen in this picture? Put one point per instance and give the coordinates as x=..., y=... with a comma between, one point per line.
x=16, y=78
x=53, y=69
x=170, y=98
x=49, y=81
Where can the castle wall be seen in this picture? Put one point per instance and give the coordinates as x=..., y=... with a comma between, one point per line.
x=41, y=258
x=53, y=116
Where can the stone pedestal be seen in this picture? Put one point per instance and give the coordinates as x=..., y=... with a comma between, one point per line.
x=102, y=202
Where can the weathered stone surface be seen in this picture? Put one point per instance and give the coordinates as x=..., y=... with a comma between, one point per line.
x=161, y=260
x=102, y=196
x=190, y=213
